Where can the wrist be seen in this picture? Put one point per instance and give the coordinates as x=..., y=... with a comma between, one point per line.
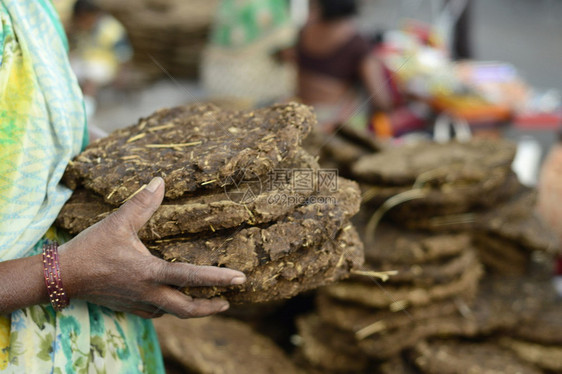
x=71, y=276
x=36, y=267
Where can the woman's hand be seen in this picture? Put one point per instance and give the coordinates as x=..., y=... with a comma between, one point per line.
x=108, y=265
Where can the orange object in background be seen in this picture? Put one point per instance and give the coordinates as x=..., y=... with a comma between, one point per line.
x=380, y=123
x=473, y=109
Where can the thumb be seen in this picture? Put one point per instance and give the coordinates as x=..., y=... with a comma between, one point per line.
x=142, y=205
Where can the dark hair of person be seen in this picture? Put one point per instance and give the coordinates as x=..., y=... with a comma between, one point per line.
x=85, y=7
x=337, y=9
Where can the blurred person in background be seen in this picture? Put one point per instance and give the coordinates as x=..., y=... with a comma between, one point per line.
x=111, y=282
x=245, y=57
x=334, y=60
x=98, y=48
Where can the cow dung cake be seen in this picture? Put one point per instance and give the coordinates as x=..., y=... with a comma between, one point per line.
x=539, y=340
x=454, y=357
x=403, y=165
x=452, y=178
x=219, y=345
x=302, y=270
x=193, y=147
x=322, y=351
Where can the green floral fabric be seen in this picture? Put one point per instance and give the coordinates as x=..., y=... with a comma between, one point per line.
x=242, y=22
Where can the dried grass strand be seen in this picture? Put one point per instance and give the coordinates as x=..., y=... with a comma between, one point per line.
x=386, y=206
x=173, y=145
x=382, y=275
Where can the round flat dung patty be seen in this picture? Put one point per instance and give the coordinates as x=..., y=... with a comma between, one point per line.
x=395, y=246
x=548, y=357
x=403, y=165
x=352, y=317
x=326, y=348
x=256, y=202
x=197, y=146
x=220, y=345
x=408, y=295
x=452, y=357
x=517, y=221
x=428, y=274
x=546, y=327
x=457, y=196
x=303, y=270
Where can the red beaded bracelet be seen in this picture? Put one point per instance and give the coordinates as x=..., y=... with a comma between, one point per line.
x=53, y=281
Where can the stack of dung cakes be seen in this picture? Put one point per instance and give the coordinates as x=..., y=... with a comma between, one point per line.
x=461, y=187
x=426, y=267
x=513, y=327
x=431, y=215
x=344, y=337
x=240, y=193
x=437, y=275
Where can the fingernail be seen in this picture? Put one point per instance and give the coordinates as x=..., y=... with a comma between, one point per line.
x=238, y=280
x=154, y=184
x=225, y=307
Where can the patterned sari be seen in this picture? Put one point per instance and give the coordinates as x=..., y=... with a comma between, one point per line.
x=42, y=127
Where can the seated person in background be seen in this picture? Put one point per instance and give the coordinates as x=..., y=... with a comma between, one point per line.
x=333, y=60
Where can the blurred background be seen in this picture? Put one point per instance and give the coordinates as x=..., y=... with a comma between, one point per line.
x=484, y=67
x=378, y=73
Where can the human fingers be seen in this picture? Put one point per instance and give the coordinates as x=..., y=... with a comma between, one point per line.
x=183, y=275
x=138, y=210
x=181, y=305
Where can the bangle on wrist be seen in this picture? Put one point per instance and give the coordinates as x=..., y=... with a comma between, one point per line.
x=53, y=280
